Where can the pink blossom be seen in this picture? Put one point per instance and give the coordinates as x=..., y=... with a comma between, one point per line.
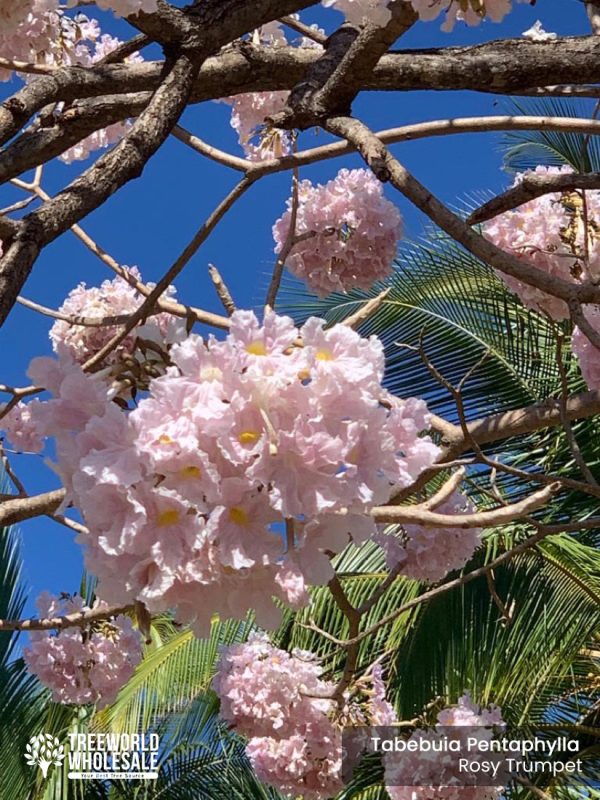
x=21, y=428
x=87, y=53
x=265, y=695
x=87, y=664
x=181, y=495
x=359, y=11
x=403, y=771
x=537, y=33
x=428, y=554
x=471, y=12
x=588, y=354
x=126, y=8
x=548, y=233
x=111, y=299
x=249, y=111
x=32, y=36
x=350, y=233
x=264, y=690
x=306, y=764
x=248, y=118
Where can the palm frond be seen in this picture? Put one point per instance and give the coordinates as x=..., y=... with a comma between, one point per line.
x=527, y=149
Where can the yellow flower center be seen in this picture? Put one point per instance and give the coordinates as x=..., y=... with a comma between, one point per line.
x=324, y=355
x=352, y=457
x=165, y=439
x=191, y=472
x=168, y=517
x=238, y=516
x=256, y=349
x=249, y=437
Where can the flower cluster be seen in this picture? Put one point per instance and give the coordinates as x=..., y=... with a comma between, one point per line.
x=346, y=233
x=41, y=33
x=112, y=299
x=469, y=11
x=248, y=115
x=30, y=33
x=82, y=664
x=181, y=494
x=87, y=52
x=250, y=111
x=359, y=11
x=428, y=554
x=126, y=8
x=588, y=354
x=20, y=427
x=415, y=775
x=549, y=233
x=267, y=695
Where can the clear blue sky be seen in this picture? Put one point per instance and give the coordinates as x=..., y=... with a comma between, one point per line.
x=151, y=220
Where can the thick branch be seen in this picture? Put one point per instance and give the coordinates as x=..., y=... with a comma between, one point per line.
x=122, y=164
x=77, y=620
x=22, y=508
x=388, y=168
x=530, y=187
x=418, y=515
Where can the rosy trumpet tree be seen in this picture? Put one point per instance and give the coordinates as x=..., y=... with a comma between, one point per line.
x=222, y=473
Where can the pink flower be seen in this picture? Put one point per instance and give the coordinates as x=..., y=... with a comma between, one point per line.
x=350, y=233
x=248, y=118
x=588, y=354
x=548, y=233
x=471, y=12
x=413, y=775
x=111, y=299
x=268, y=695
x=87, y=664
x=87, y=53
x=181, y=496
x=428, y=554
x=360, y=11
x=21, y=428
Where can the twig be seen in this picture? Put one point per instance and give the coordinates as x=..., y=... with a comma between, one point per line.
x=355, y=320
x=289, y=244
x=69, y=523
x=78, y=619
x=205, y=149
x=221, y=289
x=305, y=30
x=445, y=587
x=91, y=322
x=353, y=616
x=149, y=303
x=22, y=491
x=168, y=306
x=480, y=519
x=504, y=612
x=531, y=187
x=27, y=67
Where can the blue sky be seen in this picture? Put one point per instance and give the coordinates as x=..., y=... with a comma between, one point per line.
x=150, y=221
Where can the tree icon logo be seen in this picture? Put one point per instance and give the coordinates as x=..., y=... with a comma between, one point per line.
x=44, y=750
